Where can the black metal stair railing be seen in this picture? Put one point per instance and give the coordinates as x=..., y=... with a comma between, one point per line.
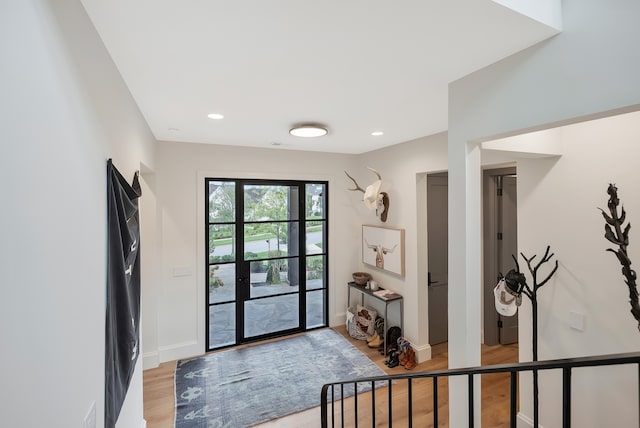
x=331, y=390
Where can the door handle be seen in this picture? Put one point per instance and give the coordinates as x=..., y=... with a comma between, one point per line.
x=429, y=282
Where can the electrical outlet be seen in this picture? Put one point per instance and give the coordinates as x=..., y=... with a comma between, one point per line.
x=90, y=419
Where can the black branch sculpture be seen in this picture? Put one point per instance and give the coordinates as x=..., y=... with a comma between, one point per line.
x=618, y=234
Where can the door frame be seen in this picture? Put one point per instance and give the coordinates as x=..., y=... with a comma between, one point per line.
x=242, y=267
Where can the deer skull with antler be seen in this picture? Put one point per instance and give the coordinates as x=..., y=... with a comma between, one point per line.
x=373, y=198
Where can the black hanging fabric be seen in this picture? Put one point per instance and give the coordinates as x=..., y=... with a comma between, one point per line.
x=123, y=290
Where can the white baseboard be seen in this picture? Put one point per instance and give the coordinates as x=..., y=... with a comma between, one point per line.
x=423, y=353
x=339, y=319
x=143, y=424
x=150, y=360
x=179, y=351
x=524, y=421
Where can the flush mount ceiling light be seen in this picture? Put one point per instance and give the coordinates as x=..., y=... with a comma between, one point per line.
x=308, y=130
x=377, y=133
x=216, y=116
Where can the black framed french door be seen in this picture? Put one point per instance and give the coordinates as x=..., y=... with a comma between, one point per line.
x=267, y=259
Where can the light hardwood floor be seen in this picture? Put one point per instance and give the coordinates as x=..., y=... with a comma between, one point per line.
x=159, y=393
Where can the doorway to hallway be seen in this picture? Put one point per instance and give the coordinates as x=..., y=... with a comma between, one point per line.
x=500, y=245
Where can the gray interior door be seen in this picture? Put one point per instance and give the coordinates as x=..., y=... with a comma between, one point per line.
x=499, y=243
x=508, y=246
x=437, y=247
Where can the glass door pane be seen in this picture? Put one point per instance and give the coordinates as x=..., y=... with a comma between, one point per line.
x=221, y=266
x=271, y=242
x=270, y=202
x=273, y=277
x=270, y=239
x=271, y=315
x=315, y=254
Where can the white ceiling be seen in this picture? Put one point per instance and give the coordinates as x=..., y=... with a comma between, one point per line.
x=357, y=66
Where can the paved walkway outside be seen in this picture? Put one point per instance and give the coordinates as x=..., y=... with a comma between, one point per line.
x=262, y=316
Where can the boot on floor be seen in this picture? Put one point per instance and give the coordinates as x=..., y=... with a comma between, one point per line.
x=410, y=362
x=393, y=360
x=375, y=343
x=403, y=358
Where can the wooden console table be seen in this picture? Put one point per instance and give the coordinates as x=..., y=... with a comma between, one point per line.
x=387, y=301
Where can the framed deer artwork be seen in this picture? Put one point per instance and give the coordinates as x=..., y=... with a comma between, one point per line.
x=383, y=248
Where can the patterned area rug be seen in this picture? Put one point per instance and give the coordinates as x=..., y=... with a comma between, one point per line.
x=244, y=387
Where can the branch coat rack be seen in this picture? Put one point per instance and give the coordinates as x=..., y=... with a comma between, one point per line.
x=515, y=280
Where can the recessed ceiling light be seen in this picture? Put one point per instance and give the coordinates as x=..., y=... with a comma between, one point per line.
x=216, y=116
x=308, y=131
x=377, y=133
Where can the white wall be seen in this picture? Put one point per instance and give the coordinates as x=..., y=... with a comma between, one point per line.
x=150, y=235
x=182, y=168
x=587, y=70
x=64, y=111
x=180, y=180
x=557, y=200
x=404, y=168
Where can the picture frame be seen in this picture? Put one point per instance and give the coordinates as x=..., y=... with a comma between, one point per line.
x=383, y=248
